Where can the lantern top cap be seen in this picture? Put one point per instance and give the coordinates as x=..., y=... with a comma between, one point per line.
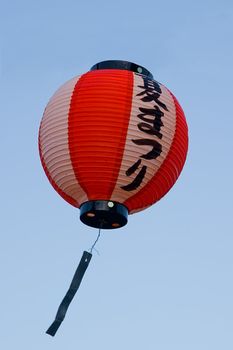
x=125, y=65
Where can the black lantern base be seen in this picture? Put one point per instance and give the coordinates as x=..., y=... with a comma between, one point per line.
x=103, y=214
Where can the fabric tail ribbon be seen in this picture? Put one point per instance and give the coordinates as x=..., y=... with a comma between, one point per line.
x=76, y=281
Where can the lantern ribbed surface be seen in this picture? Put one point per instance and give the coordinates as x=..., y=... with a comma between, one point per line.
x=113, y=134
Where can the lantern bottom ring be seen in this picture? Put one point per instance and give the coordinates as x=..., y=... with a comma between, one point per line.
x=104, y=214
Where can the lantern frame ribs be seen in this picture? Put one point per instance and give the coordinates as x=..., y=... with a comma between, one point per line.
x=112, y=142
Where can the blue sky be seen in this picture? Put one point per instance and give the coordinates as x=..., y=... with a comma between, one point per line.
x=165, y=280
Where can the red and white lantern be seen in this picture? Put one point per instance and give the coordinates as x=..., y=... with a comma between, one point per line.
x=113, y=141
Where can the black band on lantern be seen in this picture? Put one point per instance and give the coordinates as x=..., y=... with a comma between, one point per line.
x=125, y=65
x=104, y=214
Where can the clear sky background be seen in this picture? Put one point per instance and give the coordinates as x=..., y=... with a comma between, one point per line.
x=165, y=280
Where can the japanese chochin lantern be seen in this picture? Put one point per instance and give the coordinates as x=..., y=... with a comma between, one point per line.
x=112, y=142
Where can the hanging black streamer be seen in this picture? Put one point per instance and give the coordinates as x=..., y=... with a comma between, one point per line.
x=76, y=281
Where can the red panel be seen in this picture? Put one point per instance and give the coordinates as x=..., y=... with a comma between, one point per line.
x=170, y=169
x=98, y=121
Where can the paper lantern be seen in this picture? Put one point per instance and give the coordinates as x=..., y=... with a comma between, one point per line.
x=113, y=141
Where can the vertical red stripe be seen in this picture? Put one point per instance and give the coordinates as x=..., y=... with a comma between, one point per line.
x=98, y=122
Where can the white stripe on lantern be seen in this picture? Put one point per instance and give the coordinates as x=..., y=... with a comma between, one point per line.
x=133, y=152
x=54, y=143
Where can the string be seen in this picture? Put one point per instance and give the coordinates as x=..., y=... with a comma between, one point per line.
x=93, y=246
